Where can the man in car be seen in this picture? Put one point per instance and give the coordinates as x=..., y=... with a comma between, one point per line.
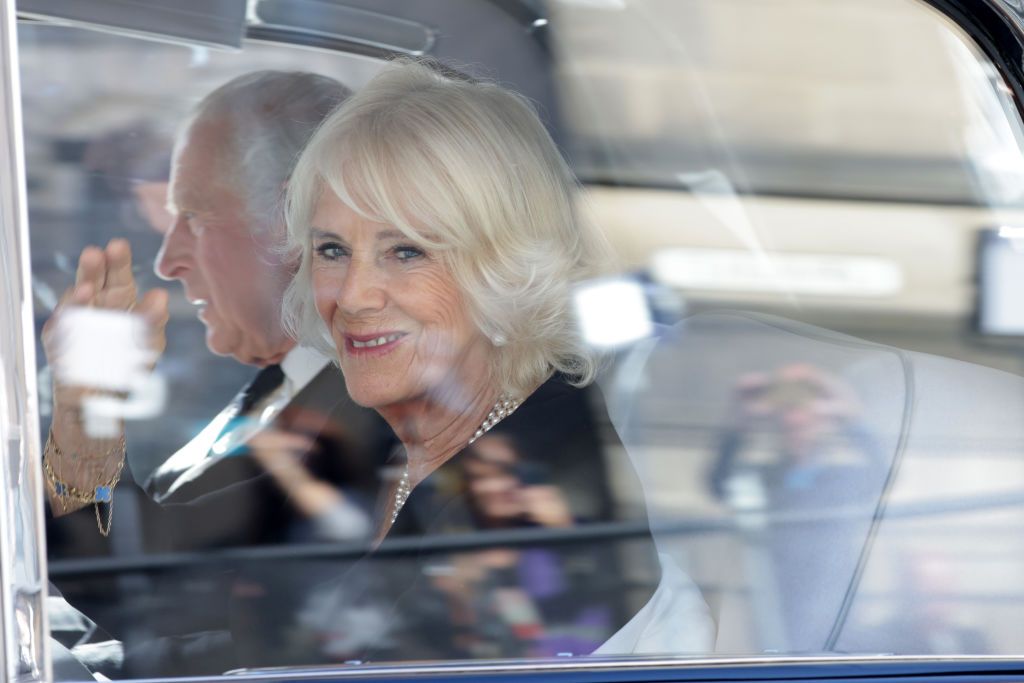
x=230, y=165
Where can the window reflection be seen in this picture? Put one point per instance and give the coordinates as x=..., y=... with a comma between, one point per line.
x=816, y=470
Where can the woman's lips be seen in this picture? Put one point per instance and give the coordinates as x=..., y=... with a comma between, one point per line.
x=375, y=344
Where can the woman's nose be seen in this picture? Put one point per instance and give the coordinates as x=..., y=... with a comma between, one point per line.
x=363, y=289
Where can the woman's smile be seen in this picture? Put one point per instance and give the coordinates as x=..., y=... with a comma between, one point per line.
x=374, y=344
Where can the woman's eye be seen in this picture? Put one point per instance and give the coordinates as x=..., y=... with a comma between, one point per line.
x=407, y=253
x=330, y=251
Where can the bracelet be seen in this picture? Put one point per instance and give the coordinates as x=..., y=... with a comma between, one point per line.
x=104, y=493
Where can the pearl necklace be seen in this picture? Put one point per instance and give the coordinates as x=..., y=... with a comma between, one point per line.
x=505, y=406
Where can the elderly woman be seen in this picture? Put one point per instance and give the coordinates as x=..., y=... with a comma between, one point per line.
x=439, y=245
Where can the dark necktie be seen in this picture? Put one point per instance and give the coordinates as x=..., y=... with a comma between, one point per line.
x=210, y=479
x=265, y=381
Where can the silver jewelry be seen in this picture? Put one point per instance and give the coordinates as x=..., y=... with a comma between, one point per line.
x=505, y=406
x=402, y=493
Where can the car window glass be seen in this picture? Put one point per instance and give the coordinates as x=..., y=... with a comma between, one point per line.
x=801, y=437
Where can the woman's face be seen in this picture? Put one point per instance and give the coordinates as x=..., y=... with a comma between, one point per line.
x=398, y=320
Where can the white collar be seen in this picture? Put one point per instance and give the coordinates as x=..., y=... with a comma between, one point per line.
x=301, y=365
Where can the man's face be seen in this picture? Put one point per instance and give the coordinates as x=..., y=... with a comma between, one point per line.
x=227, y=267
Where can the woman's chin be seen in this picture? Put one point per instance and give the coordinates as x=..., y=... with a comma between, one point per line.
x=375, y=397
x=362, y=399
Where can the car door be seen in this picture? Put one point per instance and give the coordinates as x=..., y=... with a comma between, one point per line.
x=810, y=406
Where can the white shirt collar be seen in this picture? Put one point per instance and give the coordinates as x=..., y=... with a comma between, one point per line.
x=301, y=365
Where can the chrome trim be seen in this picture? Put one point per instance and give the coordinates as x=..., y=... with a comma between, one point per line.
x=23, y=623
x=303, y=21
x=593, y=664
x=271, y=35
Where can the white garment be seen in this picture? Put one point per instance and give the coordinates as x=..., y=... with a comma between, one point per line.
x=301, y=365
x=675, y=621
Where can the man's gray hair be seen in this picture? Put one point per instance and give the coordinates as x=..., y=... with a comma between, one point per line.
x=267, y=117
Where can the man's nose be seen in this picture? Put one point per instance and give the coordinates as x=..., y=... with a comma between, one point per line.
x=363, y=288
x=174, y=257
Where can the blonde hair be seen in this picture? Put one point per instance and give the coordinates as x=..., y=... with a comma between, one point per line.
x=467, y=169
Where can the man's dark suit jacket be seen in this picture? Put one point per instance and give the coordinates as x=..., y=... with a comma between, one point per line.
x=229, y=501
x=171, y=617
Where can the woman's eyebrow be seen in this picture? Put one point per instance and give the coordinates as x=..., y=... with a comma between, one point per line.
x=319, y=234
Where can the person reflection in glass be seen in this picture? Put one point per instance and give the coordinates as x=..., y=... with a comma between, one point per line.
x=797, y=459
x=501, y=491
x=534, y=601
x=802, y=410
